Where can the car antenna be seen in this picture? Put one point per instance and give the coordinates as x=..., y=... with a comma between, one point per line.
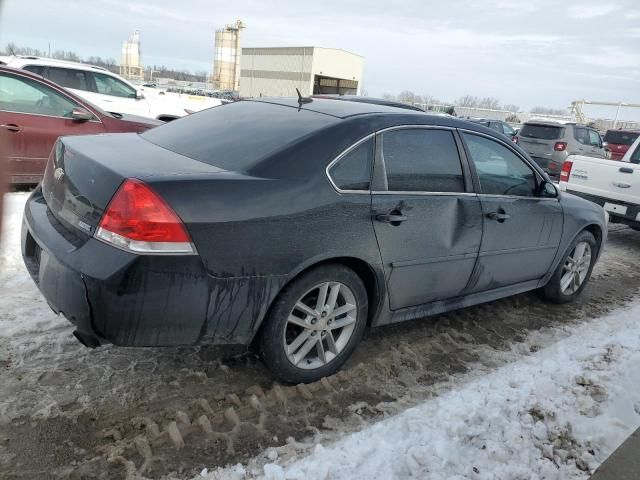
x=301, y=99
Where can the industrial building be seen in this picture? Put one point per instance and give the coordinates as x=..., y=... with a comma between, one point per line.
x=226, y=63
x=278, y=71
x=131, y=66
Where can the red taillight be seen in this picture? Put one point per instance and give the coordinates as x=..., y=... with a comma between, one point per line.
x=138, y=220
x=566, y=171
x=560, y=146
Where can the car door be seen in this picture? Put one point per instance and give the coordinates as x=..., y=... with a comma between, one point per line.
x=521, y=229
x=427, y=220
x=582, y=145
x=113, y=95
x=32, y=116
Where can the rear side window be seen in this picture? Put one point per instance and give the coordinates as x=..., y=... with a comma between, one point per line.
x=353, y=171
x=581, y=135
x=500, y=170
x=422, y=160
x=541, y=132
x=620, y=137
x=68, y=78
x=37, y=69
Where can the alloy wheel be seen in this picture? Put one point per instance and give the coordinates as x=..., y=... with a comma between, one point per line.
x=320, y=325
x=575, y=268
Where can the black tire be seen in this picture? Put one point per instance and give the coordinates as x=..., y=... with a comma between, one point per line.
x=272, y=342
x=552, y=291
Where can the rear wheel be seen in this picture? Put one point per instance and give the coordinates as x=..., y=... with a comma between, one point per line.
x=574, y=270
x=315, y=324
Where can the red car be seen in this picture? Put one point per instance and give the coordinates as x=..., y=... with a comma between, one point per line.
x=617, y=142
x=34, y=112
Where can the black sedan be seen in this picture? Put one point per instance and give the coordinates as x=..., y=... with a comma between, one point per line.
x=294, y=226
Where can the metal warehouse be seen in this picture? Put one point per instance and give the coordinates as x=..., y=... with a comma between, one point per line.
x=278, y=71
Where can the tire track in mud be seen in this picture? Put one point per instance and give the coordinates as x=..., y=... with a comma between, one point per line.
x=179, y=419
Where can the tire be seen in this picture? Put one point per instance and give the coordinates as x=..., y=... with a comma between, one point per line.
x=554, y=290
x=284, y=339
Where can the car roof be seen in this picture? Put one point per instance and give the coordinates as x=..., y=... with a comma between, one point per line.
x=19, y=61
x=371, y=100
x=337, y=108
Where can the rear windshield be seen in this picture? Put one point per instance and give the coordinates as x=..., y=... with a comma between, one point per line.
x=237, y=136
x=618, y=137
x=543, y=132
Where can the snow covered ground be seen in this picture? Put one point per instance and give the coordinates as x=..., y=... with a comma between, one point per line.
x=546, y=400
x=556, y=413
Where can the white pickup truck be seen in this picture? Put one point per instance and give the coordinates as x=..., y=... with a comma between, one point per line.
x=613, y=184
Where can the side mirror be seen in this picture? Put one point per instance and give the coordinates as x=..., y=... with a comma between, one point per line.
x=80, y=114
x=548, y=189
x=139, y=95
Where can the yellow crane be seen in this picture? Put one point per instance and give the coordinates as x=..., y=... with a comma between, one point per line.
x=576, y=108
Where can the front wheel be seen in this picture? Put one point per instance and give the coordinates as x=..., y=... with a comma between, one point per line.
x=574, y=270
x=315, y=324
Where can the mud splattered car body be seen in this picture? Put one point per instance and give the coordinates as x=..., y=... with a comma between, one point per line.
x=258, y=188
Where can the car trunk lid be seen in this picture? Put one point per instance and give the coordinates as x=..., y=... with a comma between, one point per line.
x=84, y=172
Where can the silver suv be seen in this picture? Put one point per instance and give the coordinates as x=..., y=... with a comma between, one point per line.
x=550, y=143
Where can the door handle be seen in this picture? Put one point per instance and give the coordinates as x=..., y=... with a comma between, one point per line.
x=12, y=127
x=394, y=218
x=625, y=170
x=499, y=216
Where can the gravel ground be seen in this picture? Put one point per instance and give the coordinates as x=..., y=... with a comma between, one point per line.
x=70, y=412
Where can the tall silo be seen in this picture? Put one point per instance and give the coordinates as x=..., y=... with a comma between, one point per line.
x=130, y=67
x=226, y=63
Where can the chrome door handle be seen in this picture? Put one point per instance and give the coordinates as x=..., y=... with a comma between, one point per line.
x=500, y=216
x=394, y=218
x=12, y=127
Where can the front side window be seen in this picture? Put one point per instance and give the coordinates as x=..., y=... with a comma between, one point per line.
x=508, y=130
x=594, y=138
x=68, y=77
x=500, y=170
x=422, y=160
x=23, y=95
x=353, y=171
x=108, y=85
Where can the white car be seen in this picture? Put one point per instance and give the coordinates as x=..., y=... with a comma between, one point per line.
x=613, y=184
x=110, y=91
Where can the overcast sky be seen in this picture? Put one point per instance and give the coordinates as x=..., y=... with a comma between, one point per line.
x=524, y=52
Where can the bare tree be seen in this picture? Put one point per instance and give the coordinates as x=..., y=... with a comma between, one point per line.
x=467, y=101
x=511, y=108
x=388, y=96
x=409, y=97
x=489, y=102
x=549, y=111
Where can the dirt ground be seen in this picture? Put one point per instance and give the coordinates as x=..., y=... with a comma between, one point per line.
x=112, y=413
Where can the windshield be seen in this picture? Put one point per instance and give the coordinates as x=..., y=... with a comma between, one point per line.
x=620, y=137
x=542, y=132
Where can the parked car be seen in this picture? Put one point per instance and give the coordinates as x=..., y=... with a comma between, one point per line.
x=550, y=143
x=293, y=227
x=111, y=92
x=617, y=142
x=34, y=112
x=610, y=183
x=497, y=125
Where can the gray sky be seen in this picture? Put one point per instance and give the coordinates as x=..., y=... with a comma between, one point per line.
x=524, y=52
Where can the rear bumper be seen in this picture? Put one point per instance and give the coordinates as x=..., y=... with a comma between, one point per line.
x=631, y=217
x=551, y=165
x=112, y=295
